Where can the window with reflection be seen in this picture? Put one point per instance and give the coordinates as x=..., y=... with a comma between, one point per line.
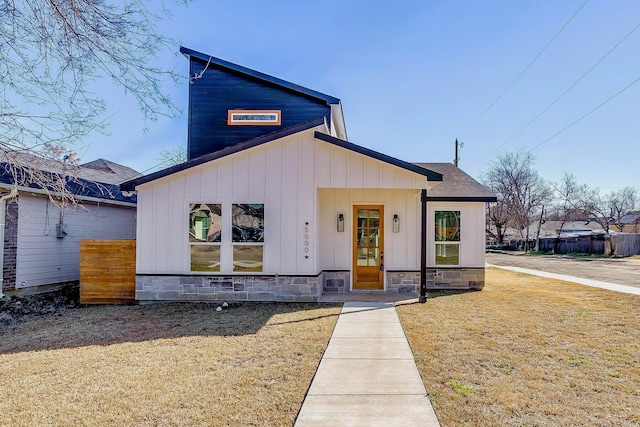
x=247, y=236
x=205, y=235
x=447, y=237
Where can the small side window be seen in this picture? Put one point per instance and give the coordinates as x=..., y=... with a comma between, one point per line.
x=447, y=237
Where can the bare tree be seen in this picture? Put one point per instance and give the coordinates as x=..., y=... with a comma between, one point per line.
x=498, y=218
x=173, y=156
x=568, y=194
x=621, y=203
x=522, y=191
x=51, y=54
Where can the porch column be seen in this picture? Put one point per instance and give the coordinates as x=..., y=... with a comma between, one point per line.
x=423, y=247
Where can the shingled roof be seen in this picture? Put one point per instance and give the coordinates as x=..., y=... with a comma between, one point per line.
x=456, y=185
x=96, y=180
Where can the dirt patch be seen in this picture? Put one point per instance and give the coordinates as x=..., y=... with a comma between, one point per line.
x=15, y=310
x=624, y=271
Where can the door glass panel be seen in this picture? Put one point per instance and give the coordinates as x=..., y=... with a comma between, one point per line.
x=374, y=218
x=362, y=217
x=362, y=257
x=373, y=237
x=363, y=236
x=373, y=257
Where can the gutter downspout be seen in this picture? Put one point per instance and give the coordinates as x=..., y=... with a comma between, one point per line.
x=3, y=217
x=423, y=248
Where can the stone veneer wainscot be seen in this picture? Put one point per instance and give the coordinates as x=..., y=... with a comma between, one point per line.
x=228, y=288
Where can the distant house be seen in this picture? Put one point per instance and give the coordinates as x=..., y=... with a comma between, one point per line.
x=630, y=223
x=41, y=235
x=275, y=204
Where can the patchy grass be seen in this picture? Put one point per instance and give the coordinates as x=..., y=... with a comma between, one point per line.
x=534, y=351
x=163, y=365
x=584, y=255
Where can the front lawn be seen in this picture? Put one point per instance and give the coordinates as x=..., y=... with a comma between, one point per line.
x=163, y=365
x=528, y=351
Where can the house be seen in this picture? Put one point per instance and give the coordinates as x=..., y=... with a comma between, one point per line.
x=630, y=223
x=275, y=204
x=41, y=232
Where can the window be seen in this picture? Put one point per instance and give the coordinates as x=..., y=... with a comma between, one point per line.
x=254, y=117
x=218, y=243
x=447, y=237
x=247, y=224
x=205, y=235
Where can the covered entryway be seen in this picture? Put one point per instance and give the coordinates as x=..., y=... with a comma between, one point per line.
x=368, y=247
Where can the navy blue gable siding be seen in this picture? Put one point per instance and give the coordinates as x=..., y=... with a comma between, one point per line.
x=218, y=91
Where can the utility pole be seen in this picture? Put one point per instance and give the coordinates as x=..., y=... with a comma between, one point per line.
x=457, y=158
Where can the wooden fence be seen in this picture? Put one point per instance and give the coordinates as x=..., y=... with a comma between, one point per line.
x=625, y=244
x=593, y=244
x=107, y=271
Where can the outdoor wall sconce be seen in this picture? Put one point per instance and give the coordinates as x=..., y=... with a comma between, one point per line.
x=396, y=223
x=340, y=223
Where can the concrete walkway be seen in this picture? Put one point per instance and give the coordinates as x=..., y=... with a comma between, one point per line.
x=588, y=282
x=367, y=376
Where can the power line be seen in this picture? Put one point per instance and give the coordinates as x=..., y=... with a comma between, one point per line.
x=526, y=68
x=587, y=114
x=570, y=87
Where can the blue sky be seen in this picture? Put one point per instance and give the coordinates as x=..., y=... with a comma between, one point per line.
x=415, y=75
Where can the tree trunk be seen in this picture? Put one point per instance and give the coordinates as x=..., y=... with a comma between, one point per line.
x=537, y=247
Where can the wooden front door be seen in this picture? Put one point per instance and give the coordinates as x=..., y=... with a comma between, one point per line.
x=368, y=247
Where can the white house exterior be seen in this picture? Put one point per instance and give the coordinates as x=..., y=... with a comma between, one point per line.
x=298, y=212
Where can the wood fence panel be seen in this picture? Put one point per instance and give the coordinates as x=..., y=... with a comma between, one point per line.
x=581, y=244
x=626, y=244
x=107, y=271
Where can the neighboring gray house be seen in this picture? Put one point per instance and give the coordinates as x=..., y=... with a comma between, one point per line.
x=41, y=238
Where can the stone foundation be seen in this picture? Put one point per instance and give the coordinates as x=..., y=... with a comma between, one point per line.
x=455, y=278
x=229, y=288
x=437, y=278
x=336, y=282
x=403, y=281
x=293, y=288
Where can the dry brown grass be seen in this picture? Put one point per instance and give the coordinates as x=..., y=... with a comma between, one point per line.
x=163, y=365
x=529, y=351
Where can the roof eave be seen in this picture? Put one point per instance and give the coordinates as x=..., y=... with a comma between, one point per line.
x=487, y=199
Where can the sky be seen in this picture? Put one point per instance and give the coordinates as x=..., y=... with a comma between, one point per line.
x=414, y=76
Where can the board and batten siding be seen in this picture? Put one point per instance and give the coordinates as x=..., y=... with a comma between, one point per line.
x=285, y=176
x=402, y=249
x=42, y=258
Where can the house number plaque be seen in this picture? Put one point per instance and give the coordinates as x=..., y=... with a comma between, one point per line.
x=306, y=240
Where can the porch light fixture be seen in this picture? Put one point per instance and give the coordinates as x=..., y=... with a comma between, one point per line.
x=396, y=223
x=340, y=223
